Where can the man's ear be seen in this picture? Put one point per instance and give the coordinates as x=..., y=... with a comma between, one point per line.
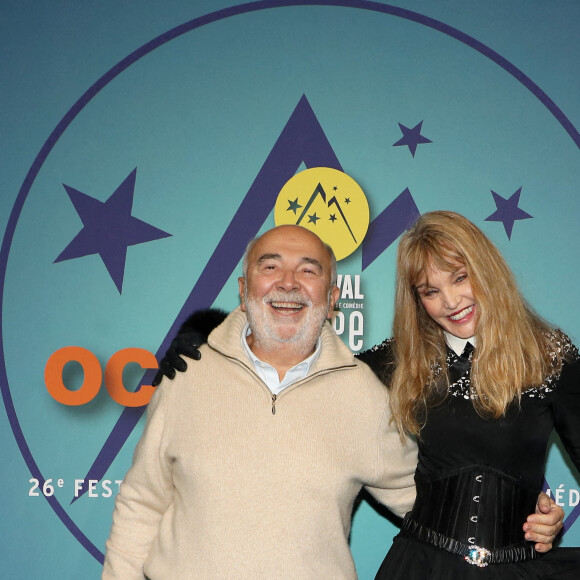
x=334, y=296
x=242, y=287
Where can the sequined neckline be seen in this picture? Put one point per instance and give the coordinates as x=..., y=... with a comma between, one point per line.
x=562, y=347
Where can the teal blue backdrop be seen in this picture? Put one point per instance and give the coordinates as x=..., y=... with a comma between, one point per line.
x=142, y=139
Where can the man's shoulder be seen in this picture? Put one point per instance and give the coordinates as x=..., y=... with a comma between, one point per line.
x=333, y=350
x=228, y=334
x=370, y=377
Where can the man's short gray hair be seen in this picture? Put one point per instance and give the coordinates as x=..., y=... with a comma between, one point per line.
x=252, y=243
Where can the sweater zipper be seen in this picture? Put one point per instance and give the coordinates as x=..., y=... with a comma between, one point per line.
x=275, y=397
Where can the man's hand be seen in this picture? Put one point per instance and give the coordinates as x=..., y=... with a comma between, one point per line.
x=543, y=526
x=192, y=334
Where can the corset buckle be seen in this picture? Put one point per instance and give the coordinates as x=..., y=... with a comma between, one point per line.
x=478, y=556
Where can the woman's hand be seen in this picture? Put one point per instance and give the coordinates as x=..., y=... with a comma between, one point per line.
x=543, y=526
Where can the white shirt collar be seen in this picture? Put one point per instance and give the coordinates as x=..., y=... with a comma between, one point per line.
x=270, y=375
x=456, y=344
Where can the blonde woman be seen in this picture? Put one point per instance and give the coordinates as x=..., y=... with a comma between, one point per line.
x=481, y=381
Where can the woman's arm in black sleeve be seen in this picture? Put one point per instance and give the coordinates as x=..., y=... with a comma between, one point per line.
x=192, y=334
x=566, y=409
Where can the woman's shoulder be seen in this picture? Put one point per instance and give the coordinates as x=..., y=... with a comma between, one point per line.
x=381, y=358
x=381, y=350
x=561, y=347
x=563, y=354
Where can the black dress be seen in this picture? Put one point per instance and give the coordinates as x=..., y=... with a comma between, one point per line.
x=477, y=481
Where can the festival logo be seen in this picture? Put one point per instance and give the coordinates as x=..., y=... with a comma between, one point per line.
x=329, y=203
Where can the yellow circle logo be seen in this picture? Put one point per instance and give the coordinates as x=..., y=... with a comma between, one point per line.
x=329, y=203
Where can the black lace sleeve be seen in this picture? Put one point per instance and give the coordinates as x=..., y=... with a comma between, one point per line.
x=381, y=359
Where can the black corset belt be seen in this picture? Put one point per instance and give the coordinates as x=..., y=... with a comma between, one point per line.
x=477, y=513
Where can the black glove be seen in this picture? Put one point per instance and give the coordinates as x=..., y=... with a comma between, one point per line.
x=192, y=334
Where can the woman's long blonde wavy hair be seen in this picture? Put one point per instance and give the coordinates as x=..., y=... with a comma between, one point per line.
x=513, y=343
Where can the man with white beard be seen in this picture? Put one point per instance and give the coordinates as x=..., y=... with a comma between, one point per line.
x=251, y=460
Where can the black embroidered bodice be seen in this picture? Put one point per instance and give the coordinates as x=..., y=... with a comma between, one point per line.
x=478, y=479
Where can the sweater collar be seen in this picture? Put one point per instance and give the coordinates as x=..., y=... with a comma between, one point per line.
x=226, y=339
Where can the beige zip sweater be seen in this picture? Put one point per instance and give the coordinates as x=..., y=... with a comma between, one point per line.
x=221, y=487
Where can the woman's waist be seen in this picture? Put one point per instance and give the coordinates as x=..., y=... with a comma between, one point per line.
x=474, y=505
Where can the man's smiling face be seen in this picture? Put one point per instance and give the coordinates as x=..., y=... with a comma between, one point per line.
x=286, y=292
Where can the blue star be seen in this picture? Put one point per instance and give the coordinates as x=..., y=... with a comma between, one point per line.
x=109, y=228
x=507, y=211
x=312, y=219
x=332, y=217
x=294, y=205
x=347, y=200
x=411, y=137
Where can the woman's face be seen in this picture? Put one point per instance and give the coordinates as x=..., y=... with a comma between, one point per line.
x=448, y=299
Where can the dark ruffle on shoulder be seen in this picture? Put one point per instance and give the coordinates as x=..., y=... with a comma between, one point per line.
x=381, y=359
x=200, y=324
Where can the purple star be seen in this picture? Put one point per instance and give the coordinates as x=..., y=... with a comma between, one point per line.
x=507, y=211
x=411, y=137
x=109, y=228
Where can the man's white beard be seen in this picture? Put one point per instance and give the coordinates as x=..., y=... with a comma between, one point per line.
x=269, y=337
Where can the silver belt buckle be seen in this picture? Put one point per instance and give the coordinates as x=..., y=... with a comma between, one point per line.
x=478, y=556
